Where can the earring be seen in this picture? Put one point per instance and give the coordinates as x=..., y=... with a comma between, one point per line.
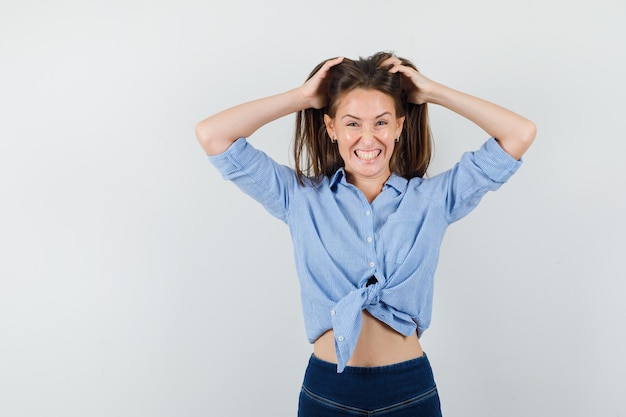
x=398, y=139
x=333, y=140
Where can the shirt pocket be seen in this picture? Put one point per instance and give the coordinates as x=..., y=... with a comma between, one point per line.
x=398, y=236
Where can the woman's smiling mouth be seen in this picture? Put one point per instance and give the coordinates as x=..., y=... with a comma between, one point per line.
x=367, y=155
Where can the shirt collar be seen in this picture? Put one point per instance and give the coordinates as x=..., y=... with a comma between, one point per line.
x=395, y=181
x=337, y=177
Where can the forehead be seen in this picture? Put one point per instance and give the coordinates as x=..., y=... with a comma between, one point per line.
x=364, y=103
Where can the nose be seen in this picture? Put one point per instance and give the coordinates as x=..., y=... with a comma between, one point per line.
x=367, y=132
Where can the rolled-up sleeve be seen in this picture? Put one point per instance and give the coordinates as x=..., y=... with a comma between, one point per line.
x=257, y=175
x=494, y=162
x=473, y=176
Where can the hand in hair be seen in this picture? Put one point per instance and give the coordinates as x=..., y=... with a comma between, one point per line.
x=314, y=90
x=513, y=132
x=416, y=86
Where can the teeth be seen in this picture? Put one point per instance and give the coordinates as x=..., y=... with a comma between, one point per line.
x=367, y=155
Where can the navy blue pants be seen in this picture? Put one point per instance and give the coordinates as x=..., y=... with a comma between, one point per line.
x=405, y=389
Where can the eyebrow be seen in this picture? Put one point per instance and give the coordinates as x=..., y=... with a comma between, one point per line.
x=357, y=118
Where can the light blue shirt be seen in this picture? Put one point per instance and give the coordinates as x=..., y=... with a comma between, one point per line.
x=341, y=241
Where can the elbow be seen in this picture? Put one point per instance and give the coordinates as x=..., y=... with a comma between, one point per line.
x=530, y=132
x=203, y=133
x=213, y=136
x=526, y=135
x=519, y=140
x=207, y=138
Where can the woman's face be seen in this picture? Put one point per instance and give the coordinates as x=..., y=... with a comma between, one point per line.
x=365, y=127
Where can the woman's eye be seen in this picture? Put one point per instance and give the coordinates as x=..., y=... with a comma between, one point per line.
x=351, y=124
x=381, y=123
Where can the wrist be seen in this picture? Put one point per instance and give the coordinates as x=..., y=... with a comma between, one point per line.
x=436, y=93
x=299, y=99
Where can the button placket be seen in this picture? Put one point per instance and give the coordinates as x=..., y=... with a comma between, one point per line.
x=369, y=233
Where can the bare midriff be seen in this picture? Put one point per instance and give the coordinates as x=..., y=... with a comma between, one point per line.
x=378, y=345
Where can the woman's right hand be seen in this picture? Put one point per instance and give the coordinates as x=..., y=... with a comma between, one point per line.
x=314, y=89
x=216, y=133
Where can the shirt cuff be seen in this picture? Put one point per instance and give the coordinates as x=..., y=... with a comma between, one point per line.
x=238, y=154
x=495, y=162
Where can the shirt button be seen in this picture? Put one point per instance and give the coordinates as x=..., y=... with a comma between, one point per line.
x=367, y=212
x=332, y=312
x=369, y=239
x=372, y=264
x=340, y=338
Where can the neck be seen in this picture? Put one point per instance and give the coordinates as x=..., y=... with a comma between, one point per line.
x=370, y=187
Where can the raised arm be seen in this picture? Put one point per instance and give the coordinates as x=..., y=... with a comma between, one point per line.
x=216, y=133
x=513, y=132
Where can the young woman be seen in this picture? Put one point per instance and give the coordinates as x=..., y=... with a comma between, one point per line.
x=365, y=223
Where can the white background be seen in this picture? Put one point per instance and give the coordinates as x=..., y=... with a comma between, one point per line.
x=134, y=281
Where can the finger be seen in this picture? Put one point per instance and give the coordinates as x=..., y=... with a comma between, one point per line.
x=408, y=72
x=321, y=73
x=391, y=61
x=332, y=62
x=398, y=67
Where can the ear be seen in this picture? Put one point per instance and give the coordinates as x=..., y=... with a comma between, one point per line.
x=400, y=125
x=330, y=126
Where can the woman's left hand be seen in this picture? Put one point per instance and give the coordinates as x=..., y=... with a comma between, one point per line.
x=417, y=87
x=513, y=132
